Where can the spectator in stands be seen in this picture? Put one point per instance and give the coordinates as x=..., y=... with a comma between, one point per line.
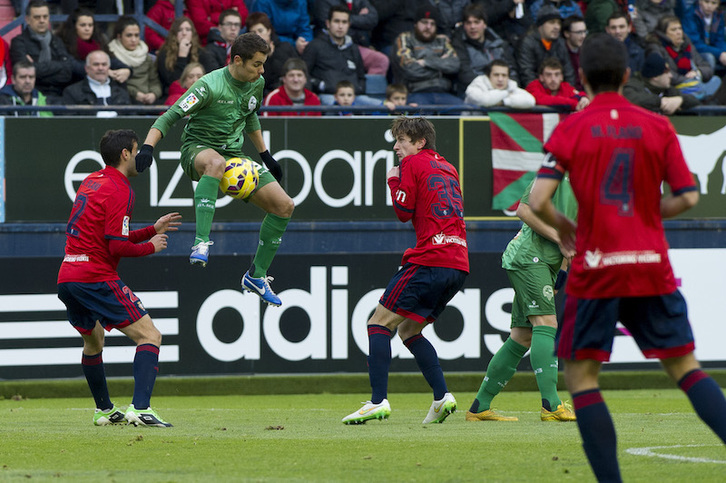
x=344, y=96
x=450, y=14
x=652, y=88
x=566, y=8
x=280, y=51
x=97, y=89
x=289, y=18
x=293, y=91
x=394, y=18
x=397, y=96
x=22, y=91
x=162, y=12
x=510, y=19
x=6, y=69
x=191, y=73
x=424, y=61
x=495, y=88
x=180, y=47
x=704, y=25
x=216, y=53
x=574, y=31
x=332, y=57
x=649, y=12
x=363, y=17
x=619, y=26
x=477, y=46
x=541, y=43
x=549, y=89
x=143, y=86
x=691, y=74
x=53, y=64
x=598, y=12
x=81, y=37
x=205, y=14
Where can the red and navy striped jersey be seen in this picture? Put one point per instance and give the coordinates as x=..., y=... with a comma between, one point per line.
x=427, y=193
x=617, y=156
x=101, y=213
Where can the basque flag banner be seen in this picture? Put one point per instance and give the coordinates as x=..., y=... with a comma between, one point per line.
x=517, y=141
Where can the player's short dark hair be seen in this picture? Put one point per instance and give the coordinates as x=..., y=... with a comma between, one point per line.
x=416, y=128
x=499, y=62
x=567, y=23
x=340, y=9
x=123, y=22
x=247, y=45
x=604, y=61
x=475, y=10
x=552, y=63
x=230, y=12
x=616, y=15
x=114, y=142
x=36, y=4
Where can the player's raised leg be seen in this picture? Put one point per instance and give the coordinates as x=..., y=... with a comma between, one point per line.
x=209, y=167
x=279, y=207
x=92, y=362
x=146, y=366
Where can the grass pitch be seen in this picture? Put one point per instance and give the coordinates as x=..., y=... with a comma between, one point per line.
x=300, y=438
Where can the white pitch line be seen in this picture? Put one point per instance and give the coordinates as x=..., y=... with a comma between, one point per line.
x=648, y=451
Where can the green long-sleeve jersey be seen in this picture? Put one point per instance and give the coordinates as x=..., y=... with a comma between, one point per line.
x=220, y=108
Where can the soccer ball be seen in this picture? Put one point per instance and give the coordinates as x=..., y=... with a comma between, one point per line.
x=240, y=178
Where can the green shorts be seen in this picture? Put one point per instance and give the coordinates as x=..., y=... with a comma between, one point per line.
x=189, y=151
x=534, y=293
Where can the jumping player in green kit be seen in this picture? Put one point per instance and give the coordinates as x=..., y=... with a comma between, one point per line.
x=222, y=106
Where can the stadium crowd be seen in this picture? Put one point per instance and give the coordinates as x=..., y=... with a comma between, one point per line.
x=485, y=53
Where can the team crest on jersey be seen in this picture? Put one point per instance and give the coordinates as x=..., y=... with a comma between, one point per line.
x=188, y=102
x=125, y=226
x=252, y=104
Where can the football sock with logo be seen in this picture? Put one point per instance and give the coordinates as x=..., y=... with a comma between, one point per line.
x=707, y=399
x=271, y=231
x=501, y=369
x=96, y=377
x=205, y=197
x=146, y=366
x=598, y=434
x=379, y=360
x=544, y=364
x=428, y=362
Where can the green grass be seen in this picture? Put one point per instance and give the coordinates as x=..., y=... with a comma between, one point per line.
x=300, y=438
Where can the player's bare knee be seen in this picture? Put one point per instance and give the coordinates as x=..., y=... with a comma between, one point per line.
x=215, y=167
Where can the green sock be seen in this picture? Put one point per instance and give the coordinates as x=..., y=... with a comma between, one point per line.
x=544, y=364
x=205, y=196
x=501, y=369
x=271, y=231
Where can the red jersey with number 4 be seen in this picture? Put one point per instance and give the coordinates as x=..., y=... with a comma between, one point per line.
x=617, y=155
x=101, y=213
x=427, y=193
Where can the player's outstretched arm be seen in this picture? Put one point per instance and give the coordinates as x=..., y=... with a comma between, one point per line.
x=146, y=152
x=159, y=242
x=272, y=165
x=168, y=222
x=675, y=205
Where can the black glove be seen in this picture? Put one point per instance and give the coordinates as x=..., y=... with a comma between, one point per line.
x=144, y=157
x=272, y=165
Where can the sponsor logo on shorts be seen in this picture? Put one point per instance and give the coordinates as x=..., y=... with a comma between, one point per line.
x=188, y=102
x=548, y=292
x=533, y=305
x=443, y=239
x=597, y=259
x=76, y=258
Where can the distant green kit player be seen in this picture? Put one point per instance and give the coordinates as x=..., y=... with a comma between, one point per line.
x=532, y=261
x=221, y=106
